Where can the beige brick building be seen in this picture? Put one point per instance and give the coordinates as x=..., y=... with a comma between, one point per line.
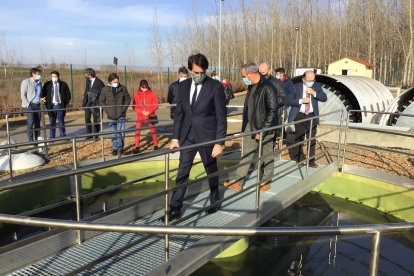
x=351, y=66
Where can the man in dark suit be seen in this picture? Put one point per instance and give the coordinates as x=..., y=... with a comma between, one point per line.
x=173, y=89
x=93, y=89
x=200, y=116
x=56, y=95
x=304, y=104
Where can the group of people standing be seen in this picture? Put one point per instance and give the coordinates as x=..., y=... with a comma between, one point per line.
x=113, y=97
x=199, y=115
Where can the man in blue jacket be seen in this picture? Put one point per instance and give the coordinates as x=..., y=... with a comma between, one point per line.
x=304, y=104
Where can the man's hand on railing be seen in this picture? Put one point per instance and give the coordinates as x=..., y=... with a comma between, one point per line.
x=217, y=150
x=174, y=144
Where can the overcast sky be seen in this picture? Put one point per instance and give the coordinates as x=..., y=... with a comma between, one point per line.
x=73, y=31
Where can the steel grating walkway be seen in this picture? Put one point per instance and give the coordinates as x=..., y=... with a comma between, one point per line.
x=127, y=254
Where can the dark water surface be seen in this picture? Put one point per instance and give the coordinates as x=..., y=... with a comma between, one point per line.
x=327, y=255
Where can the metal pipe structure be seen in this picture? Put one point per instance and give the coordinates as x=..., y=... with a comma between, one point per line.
x=376, y=240
x=210, y=231
x=219, y=46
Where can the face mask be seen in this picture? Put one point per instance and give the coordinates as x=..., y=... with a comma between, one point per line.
x=144, y=89
x=38, y=77
x=114, y=84
x=247, y=81
x=199, y=77
x=277, y=77
x=181, y=79
x=265, y=76
x=309, y=84
x=54, y=79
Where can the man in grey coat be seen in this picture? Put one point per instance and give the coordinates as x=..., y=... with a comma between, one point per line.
x=31, y=94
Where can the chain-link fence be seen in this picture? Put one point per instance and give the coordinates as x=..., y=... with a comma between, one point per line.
x=159, y=79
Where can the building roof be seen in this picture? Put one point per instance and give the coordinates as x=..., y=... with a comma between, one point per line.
x=364, y=62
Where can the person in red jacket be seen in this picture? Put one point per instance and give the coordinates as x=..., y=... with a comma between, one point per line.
x=145, y=105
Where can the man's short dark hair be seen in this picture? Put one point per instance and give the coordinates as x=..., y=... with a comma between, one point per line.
x=89, y=71
x=112, y=77
x=35, y=70
x=182, y=69
x=280, y=70
x=55, y=73
x=199, y=60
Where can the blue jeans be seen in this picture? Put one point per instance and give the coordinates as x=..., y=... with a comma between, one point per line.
x=33, y=122
x=117, y=138
x=60, y=115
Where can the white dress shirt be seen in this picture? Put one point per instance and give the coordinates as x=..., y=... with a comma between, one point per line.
x=305, y=95
x=192, y=90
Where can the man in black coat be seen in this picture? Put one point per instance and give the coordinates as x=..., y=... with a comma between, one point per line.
x=56, y=95
x=260, y=112
x=200, y=116
x=93, y=89
x=173, y=89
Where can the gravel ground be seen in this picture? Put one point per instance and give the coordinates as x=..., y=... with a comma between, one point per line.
x=394, y=161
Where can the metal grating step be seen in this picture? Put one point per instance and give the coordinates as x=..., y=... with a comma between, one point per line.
x=145, y=256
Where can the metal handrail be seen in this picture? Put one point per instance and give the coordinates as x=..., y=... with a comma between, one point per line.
x=374, y=230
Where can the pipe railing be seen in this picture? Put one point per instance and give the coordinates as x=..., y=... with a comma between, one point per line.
x=376, y=230
x=76, y=171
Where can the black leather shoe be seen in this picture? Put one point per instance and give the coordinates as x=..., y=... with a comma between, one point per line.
x=135, y=151
x=156, y=148
x=171, y=216
x=212, y=210
x=313, y=165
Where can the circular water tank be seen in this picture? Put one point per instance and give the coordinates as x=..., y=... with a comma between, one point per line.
x=352, y=93
x=403, y=104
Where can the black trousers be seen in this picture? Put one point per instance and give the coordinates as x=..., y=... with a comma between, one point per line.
x=92, y=112
x=302, y=130
x=184, y=168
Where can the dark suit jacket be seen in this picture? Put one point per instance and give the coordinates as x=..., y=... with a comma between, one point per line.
x=208, y=121
x=97, y=85
x=64, y=93
x=297, y=94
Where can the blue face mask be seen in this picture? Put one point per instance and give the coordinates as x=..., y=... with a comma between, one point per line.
x=309, y=84
x=38, y=77
x=247, y=81
x=277, y=77
x=114, y=84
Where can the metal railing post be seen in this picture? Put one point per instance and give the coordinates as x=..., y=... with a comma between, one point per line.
x=101, y=136
x=259, y=168
x=373, y=266
x=345, y=140
x=45, y=147
x=78, y=192
x=308, y=148
x=9, y=149
x=281, y=129
x=167, y=182
x=339, y=139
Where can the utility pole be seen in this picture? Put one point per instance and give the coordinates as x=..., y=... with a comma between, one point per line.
x=296, y=52
x=219, y=50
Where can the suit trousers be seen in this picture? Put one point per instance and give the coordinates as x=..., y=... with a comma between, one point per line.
x=251, y=151
x=96, y=127
x=60, y=115
x=302, y=129
x=186, y=162
x=33, y=122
